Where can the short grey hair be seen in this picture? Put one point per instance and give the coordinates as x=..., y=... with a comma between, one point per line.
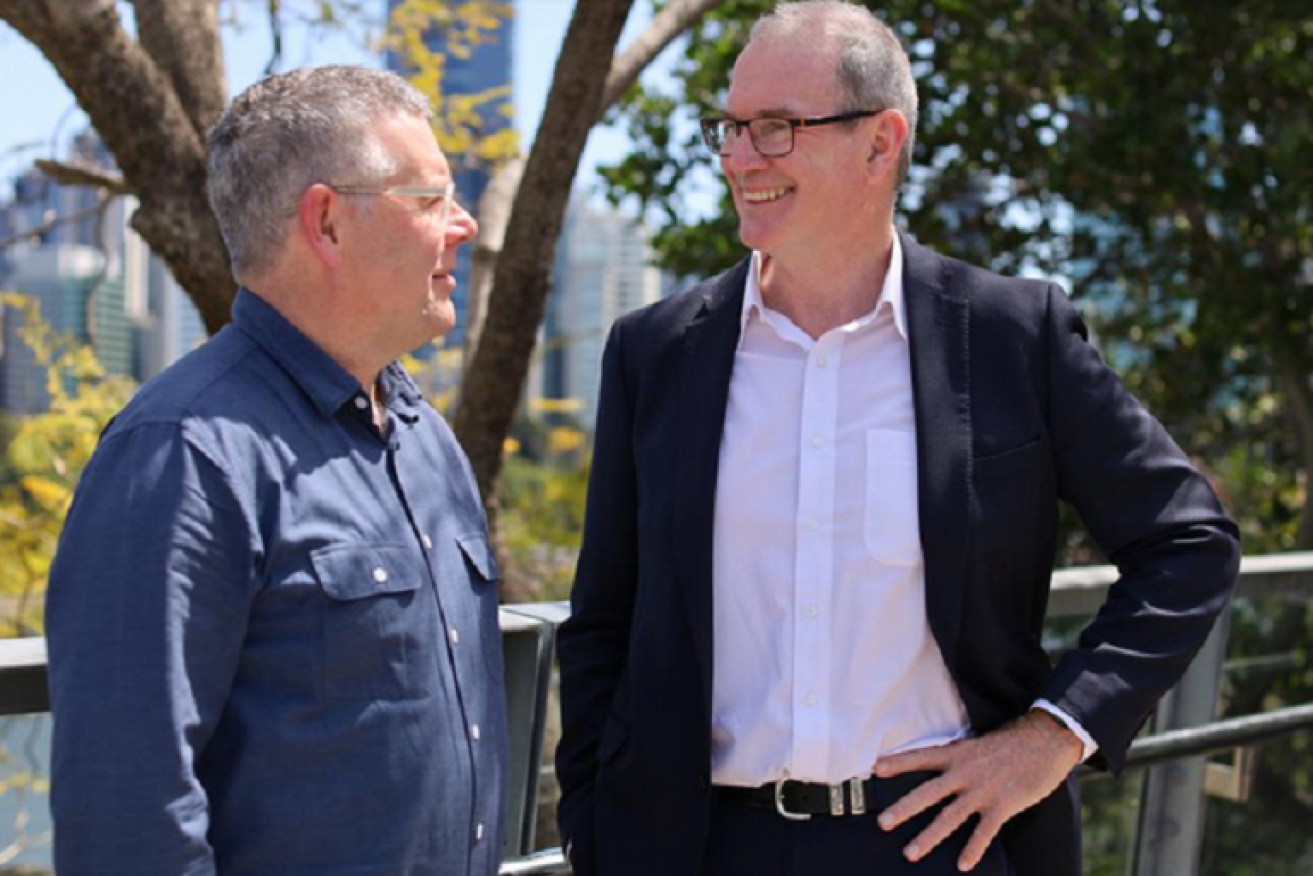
x=289, y=131
x=872, y=70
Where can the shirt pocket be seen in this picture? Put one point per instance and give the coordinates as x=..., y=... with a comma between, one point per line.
x=481, y=568
x=893, y=536
x=478, y=550
x=378, y=623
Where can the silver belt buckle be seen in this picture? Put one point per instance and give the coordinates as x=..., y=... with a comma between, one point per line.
x=779, y=803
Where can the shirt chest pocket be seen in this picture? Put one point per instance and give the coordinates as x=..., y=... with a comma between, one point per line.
x=893, y=536
x=378, y=623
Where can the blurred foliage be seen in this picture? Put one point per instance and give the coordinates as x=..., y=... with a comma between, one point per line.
x=421, y=35
x=474, y=130
x=542, y=518
x=43, y=458
x=1155, y=153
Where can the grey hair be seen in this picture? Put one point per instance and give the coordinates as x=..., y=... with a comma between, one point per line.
x=872, y=70
x=289, y=131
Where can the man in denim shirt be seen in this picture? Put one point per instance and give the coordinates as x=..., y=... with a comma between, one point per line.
x=273, y=615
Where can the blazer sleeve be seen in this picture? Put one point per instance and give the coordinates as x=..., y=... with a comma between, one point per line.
x=1155, y=517
x=593, y=644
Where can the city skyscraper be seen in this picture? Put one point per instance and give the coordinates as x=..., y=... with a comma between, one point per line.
x=604, y=270
x=91, y=276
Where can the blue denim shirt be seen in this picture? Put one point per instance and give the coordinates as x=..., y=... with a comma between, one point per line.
x=273, y=630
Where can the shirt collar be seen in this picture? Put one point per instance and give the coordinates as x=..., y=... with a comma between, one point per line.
x=327, y=383
x=891, y=295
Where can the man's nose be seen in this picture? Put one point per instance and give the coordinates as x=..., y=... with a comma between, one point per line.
x=461, y=226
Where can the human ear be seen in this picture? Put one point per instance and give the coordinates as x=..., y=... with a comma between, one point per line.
x=888, y=134
x=319, y=222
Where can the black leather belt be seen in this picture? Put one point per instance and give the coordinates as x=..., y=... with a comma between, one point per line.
x=799, y=801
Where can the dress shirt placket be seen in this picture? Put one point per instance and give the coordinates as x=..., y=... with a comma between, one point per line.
x=814, y=560
x=463, y=661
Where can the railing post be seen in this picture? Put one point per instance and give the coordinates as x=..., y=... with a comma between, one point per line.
x=1171, y=824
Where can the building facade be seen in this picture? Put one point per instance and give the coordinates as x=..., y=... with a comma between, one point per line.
x=603, y=270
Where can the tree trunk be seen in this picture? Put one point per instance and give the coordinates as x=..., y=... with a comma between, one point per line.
x=504, y=339
x=494, y=214
x=156, y=139
x=494, y=379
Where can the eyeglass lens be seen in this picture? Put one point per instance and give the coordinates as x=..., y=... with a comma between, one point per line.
x=770, y=137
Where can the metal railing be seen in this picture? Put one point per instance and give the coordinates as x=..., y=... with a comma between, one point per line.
x=1170, y=824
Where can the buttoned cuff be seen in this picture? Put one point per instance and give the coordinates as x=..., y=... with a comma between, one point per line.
x=1088, y=744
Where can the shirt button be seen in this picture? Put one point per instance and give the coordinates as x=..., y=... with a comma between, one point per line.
x=454, y=634
x=812, y=611
x=361, y=402
x=478, y=832
x=813, y=525
x=818, y=441
x=380, y=574
x=426, y=541
x=810, y=700
x=821, y=362
x=474, y=732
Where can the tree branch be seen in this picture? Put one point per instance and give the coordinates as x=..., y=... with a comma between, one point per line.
x=76, y=173
x=138, y=114
x=49, y=225
x=677, y=17
x=275, y=11
x=182, y=36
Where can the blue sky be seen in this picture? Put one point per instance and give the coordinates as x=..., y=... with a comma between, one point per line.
x=35, y=106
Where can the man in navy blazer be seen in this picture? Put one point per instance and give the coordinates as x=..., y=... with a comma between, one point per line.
x=822, y=518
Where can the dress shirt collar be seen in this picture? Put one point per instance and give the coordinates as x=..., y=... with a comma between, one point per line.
x=754, y=307
x=327, y=383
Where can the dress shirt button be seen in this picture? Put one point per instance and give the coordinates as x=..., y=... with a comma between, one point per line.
x=818, y=441
x=454, y=635
x=426, y=541
x=810, y=699
x=478, y=832
x=362, y=402
x=474, y=732
x=821, y=362
x=811, y=611
x=813, y=525
x=380, y=574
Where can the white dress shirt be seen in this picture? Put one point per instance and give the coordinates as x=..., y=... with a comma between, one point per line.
x=824, y=659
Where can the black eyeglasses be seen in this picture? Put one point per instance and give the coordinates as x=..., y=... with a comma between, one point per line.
x=771, y=136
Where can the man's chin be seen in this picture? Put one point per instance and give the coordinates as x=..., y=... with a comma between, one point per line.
x=440, y=317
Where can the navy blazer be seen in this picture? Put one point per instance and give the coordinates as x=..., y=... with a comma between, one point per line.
x=1015, y=411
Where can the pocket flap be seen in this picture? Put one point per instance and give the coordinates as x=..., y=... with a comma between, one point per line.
x=348, y=572
x=476, y=546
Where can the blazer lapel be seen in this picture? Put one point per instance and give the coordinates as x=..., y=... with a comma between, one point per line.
x=939, y=328
x=709, y=343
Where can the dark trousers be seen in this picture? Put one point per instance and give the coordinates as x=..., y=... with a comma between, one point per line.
x=745, y=841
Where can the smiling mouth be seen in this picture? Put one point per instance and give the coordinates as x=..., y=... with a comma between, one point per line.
x=765, y=196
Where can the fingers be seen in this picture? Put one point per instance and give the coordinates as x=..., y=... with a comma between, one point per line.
x=952, y=818
x=935, y=759
x=976, y=847
x=917, y=801
x=994, y=776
